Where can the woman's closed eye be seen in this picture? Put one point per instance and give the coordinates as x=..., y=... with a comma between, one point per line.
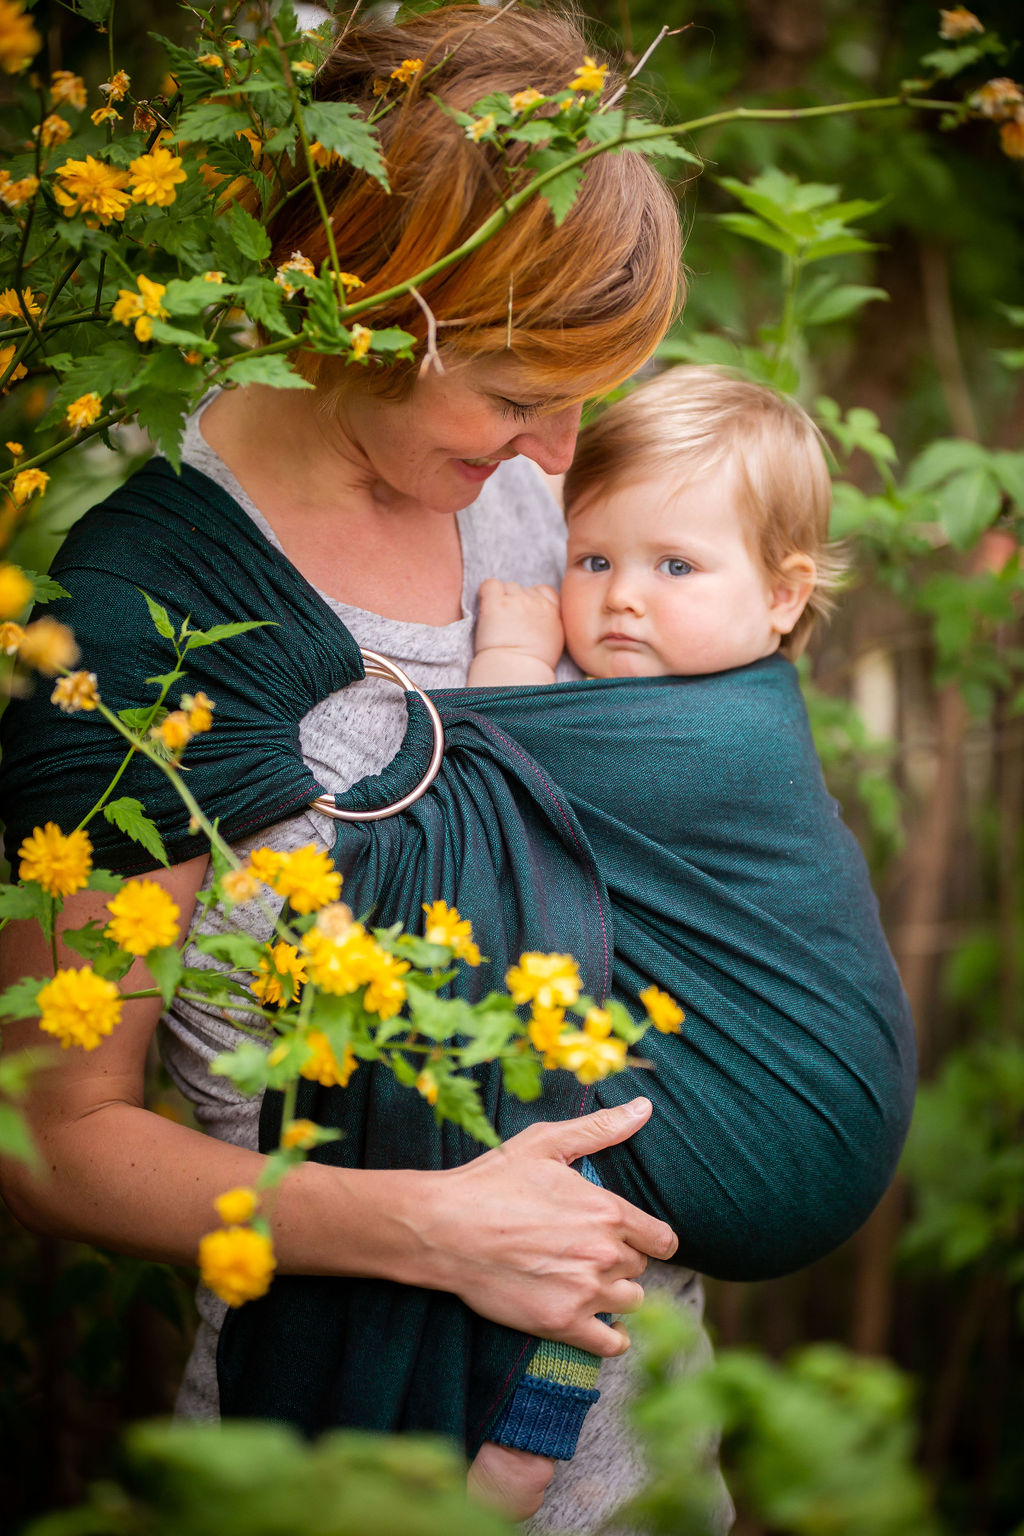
x=520, y=410
x=673, y=565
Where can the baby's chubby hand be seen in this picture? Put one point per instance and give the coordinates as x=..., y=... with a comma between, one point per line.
x=521, y=619
x=510, y=1480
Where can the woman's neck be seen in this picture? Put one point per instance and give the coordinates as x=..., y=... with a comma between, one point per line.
x=338, y=526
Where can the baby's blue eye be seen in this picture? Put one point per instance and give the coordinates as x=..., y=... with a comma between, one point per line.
x=595, y=564
x=675, y=567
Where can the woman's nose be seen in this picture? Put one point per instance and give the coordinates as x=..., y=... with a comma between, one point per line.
x=550, y=441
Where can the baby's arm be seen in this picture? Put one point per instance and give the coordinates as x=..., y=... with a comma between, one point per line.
x=518, y=635
x=513, y=1481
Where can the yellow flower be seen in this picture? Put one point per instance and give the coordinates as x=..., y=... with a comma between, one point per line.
x=15, y=449
x=265, y=863
x=522, y=101
x=236, y=1206
x=303, y=67
x=174, y=731
x=589, y=76
x=60, y=864
x=307, y=879
x=138, y=308
x=84, y=411
x=407, y=71
x=335, y=920
x=958, y=23
x=11, y=636
x=998, y=99
x=283, y=961
x=213, y=276
x=17, y=192
x=6, y=354
x=545, y=1030
x=295, y=263
x=76, y=691
x=350, y=280
x=239, y=885
x=361, y=338
x=155, y=176
x=210, y=60
x=237, y=1264
x=426, y=1084
x=664, y=1013
x=234, y=45
x=104, y=115
x=91, y=187
x=386, y=991
x=52, y=130
x=19, y=40
x=445, y=926
x=589, y=1055
x=65, y=86
x=48, y=646
x=299, y=1133
x=322, y=1066
x=11, y=306
x=483, y=125
x=116, y=88
x=1011, y=137
x=322, y=156
x=553, y=981
x=79, y=1007
x=15, y=591
x=380, y=87
x=30, y=482
x=142, y=917
x=199, y=710
x=340, y=966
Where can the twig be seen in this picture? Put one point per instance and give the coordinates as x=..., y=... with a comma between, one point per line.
x=433, y=357
x=617, y=96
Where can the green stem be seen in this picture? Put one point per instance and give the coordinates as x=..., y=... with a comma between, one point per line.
x=57, y=450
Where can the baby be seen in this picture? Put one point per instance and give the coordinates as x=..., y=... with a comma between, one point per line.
x=697, y=511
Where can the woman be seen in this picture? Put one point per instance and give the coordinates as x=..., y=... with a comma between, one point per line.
x=393, y=493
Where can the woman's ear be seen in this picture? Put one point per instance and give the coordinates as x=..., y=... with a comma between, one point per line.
x=790, y=590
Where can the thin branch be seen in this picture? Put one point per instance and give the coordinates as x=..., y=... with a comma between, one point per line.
x=617, y=96
x=433, y=357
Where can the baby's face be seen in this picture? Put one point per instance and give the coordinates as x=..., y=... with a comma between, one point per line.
x=660, y=581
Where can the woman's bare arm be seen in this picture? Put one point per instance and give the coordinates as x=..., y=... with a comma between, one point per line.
x=519, y=1236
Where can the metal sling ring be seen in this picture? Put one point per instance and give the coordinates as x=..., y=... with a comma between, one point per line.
x=381, y=666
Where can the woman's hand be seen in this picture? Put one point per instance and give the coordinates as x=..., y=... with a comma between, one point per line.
x=526, y=1241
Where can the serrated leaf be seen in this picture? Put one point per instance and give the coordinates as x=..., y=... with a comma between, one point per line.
x=21, y=901
x=129, y=817
x=161, y=621
x=139, y=719
x=194, y=81
x=166, y=968
x=439, y=1018
x=261, y=298
x=19, y=1001
x=272, y=370
x=190, y=296
x=247, y=234
x=392, y=339
x=240, y=950
x=521, y=1076
x=105, y=880
x=751, y=228
x=560, y=192
x=213, y=120
x=246, y=1066
x=488, y=1035
x=162, y=395
x=86, y=941
x=458, y=1100
x=200, y=637
x=1009, y=469
x=16, y=1138
x=45, y=589
x=339, y=127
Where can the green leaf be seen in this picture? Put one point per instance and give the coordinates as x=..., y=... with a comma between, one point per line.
x=393, y=340
x=105, y=880
x=190, y=296
x=86, y=941
x=751, y=228
x=21, y=901
x=96, y=11
x=247, y=234
x=199, y=637
x=16, y=1138
x=458, y=1100
x=166, y=968
x=162, y=395
x=488, y=1036
x=339, y=127
x=19, y=1001
x=213, y=120
x=194, y=80
x=1009, y=469
x=405, y=1072
x=838, y=303
x=968, y=504
x=261, y=298
x=240, y=950
x=129, y=817
x=521, y=1076
x=161, y=621
x=941, y=459
x=273, y=370
x=560, y=192
x=45, y=589
x=139, y=719
x=17, y=1068
x=246, y=1066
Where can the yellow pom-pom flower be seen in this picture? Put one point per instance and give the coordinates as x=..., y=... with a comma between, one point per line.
x=142, y=917
x=199, y=710
x=65, y=86
x=545, y=1030
x=76, y=691
x=407, y=71
x=522, y=101
x=174, y=731
x=589, y=76
x=84, y=411
x=265, y=863
x=664, y=1013
x=61, y=863
x=322, y=1065
x=79, y=1007
x=29, y=482
x=237, y=1264
x=361, y=339
x=13, y=306
x=19, y=40
x=445, y=926
x=385, y=993
x=590, y=1052
x=155, y=178
x=307, y=879
x=48, y=646
x=236, y=1206
x=299, y=1133
x=553, y=981
x=15, y=591
x=91, y=187
x=283, y=961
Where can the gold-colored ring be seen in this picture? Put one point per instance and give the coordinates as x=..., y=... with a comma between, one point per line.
x=380, y=666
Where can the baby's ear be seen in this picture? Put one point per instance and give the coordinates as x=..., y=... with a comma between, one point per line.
x=790, y=590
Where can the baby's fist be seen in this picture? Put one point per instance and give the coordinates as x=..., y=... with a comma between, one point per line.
x=521, y=619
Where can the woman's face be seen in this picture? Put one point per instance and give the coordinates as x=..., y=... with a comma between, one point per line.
x=447, y=436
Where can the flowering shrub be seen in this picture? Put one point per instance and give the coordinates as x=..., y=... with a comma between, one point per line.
x=135, y=276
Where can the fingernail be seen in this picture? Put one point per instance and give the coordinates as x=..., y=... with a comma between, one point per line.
x=638, y=1107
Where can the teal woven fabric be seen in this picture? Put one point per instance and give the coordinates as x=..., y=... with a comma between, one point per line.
x=674, y=831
